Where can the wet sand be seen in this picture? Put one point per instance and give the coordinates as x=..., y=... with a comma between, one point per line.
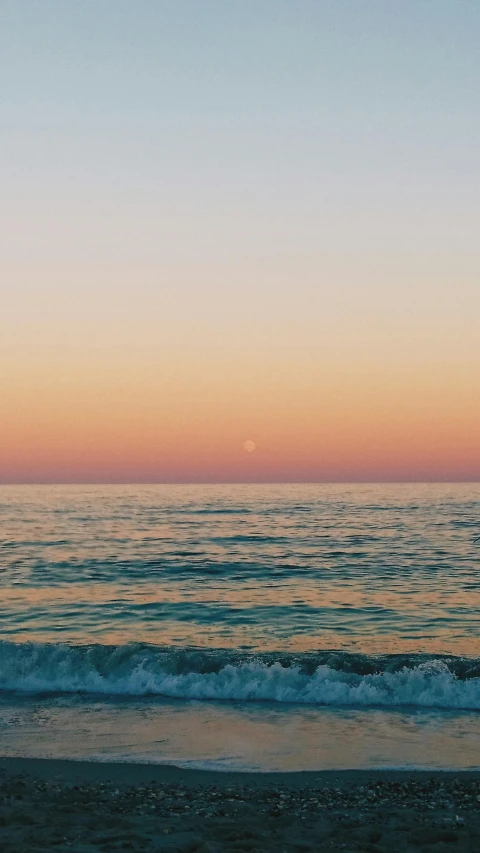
x=88, y=807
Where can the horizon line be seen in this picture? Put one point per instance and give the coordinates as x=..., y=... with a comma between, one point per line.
x=242, y=483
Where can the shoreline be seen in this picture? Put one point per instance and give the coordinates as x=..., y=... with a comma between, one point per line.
x=137, y=773
x=88, y=806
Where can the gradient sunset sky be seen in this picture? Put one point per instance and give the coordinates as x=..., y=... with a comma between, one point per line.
x=233, y=220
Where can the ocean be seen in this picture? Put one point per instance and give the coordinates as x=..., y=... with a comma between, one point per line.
x=260, y=627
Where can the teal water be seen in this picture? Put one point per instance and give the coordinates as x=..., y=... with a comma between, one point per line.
x=375, y=569
x=314, y=599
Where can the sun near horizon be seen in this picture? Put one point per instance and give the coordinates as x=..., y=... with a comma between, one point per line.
x=268, y=236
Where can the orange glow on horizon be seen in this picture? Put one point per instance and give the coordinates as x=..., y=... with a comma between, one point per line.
x=323, y=423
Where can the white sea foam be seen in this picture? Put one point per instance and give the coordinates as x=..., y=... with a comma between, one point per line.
x=141, y=671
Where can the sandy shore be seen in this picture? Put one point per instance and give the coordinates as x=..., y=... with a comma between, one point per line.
x=87, y=807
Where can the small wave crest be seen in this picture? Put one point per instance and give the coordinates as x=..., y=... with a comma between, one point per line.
x=328, y=678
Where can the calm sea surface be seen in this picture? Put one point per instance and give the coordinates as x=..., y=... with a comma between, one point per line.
x=352, y=609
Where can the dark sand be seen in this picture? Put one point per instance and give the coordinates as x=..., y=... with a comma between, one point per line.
x=87, y=807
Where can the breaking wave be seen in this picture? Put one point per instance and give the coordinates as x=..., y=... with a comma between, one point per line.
x=326, y=678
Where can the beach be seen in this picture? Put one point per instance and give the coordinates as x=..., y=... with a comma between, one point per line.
x=235, y=668
x=87, y=806
x=240, y=427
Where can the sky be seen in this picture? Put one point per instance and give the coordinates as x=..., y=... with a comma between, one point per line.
x=225, y=222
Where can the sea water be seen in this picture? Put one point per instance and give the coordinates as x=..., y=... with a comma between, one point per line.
x=242, y=626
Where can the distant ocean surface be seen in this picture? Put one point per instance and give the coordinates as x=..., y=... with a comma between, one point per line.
x=261, y=627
